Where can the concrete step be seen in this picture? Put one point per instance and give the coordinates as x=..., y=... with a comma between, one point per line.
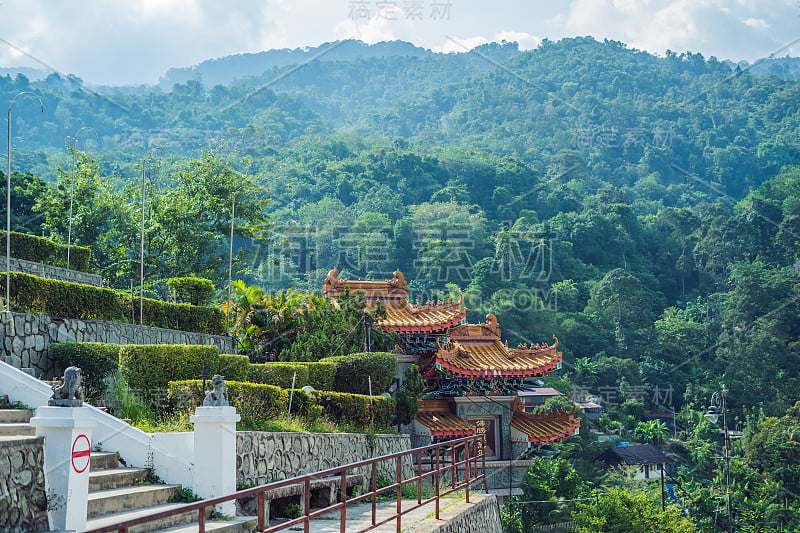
x=11, y=430
x=15, y=416
x=115, y=478
x=241, y=524
x=104, y=502
x=157, y=525
x=103, y=461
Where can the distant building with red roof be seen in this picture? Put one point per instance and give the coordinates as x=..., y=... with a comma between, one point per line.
x=474, y=378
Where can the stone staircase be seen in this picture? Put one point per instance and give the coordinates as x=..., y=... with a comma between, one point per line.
x=118, y=493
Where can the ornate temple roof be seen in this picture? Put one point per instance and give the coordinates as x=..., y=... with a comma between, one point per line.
x=476, y=351
x=546, y=427
x=401, y=316
x=440, y=421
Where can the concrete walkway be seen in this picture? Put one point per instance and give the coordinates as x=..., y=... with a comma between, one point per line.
x=420, y=520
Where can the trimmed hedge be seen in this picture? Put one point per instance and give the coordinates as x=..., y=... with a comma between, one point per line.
x=318, y=375
x=41, y=250
x=278, y=374
x=97, y=360
x=321, y=375
x=353, y=372
x=62, y=299
x=233, y=367
x=303, y=404
x=184, y=317
x=153, y=366
x=195, y=291
x=355, y=408
x=256, y=403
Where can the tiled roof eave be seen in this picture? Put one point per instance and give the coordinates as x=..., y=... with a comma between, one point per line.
x=556, y=435
x=425, y=328
x=495, y=373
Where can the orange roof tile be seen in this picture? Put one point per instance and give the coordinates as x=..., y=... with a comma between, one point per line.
x=436, y=416
x=548, y=427
x=401, y=316
x=475, y=350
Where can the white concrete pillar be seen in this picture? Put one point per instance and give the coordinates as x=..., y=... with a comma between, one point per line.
x=67, y=433
x=215, y=454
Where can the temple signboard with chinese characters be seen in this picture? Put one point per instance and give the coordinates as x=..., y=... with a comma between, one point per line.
x=473, y=377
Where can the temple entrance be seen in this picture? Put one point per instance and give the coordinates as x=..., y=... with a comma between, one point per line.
x=488, y=426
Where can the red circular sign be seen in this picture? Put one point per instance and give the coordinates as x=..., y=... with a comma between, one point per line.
x=81, y=452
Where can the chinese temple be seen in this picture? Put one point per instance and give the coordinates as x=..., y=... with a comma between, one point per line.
x=473, y=377
x=419, y=326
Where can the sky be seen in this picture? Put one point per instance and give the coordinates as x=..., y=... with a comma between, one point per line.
x=128, y=42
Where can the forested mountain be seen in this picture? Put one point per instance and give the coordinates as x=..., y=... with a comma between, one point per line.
x=227, y=69
x=643, y=209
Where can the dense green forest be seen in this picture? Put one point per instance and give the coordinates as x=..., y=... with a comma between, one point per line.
x=645, y=210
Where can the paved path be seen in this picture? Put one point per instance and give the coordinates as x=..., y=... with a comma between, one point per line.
x=416, y=521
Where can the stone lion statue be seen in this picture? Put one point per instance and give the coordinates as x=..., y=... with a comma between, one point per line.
x=70, y=392
x=218, y=395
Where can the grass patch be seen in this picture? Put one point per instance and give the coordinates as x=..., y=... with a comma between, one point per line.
x=168, y=423
x=299, y=424
x=185, y=495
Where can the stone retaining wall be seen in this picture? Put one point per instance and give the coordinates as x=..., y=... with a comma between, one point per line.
x=265, y=457
x=52, y=272
x=27, y=338
x=23, y=501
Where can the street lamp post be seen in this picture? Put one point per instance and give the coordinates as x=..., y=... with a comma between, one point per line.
x=714, y=413
x=8, y=197
x=141, y=241
x=72, y=186
x=230, y=266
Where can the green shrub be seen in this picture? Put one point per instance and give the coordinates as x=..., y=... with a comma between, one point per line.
x=62, y=299
x=196, y=291
x=129, y=405
x=303, y=404
x=353, y=372
x=79, y=257
x=279, y=374
x=233, y=367
x=40, y=250
x=355, y=408
x=256, y=403
x=184, y=317
x=321, y=375
x=153, y=366
x=96, y=360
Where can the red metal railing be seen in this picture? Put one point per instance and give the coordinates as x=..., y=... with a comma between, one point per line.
x=460, y=455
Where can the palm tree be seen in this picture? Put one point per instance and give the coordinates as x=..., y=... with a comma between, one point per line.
x=265, y=323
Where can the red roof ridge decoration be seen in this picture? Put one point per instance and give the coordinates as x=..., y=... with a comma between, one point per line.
x=475, y=350
x=401, y=316
x=546, y=427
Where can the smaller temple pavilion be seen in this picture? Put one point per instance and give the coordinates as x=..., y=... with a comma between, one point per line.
x=419, y=326
x=473, y=377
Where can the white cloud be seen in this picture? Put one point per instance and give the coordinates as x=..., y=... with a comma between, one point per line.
x=136, y=41
x=736, y=30
x=459, y=44
x=759, y=24
x=526, y=40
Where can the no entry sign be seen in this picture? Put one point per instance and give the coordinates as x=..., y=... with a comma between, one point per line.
x=81, y=453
